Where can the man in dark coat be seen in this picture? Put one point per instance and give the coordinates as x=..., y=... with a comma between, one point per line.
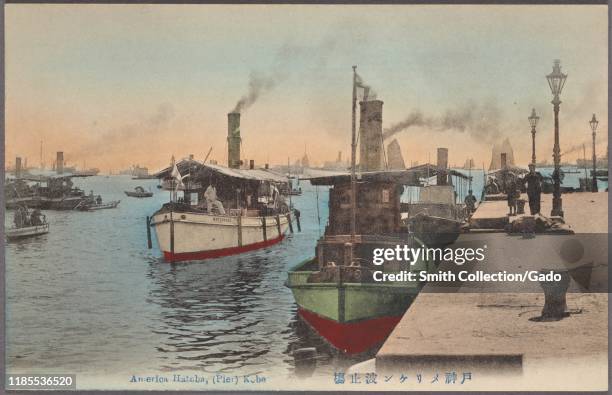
x=512, y=196
x=534, y=189
x=470, y=202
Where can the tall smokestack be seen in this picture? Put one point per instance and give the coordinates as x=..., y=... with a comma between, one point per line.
x=59, y=163
x=18, y=167
x=233, y=140
x=442, y=178
x=370, y=135
x=504, y=161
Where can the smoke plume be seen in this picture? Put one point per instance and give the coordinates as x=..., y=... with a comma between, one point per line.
x=289, y=57
x=479, y=121
x=130, y=137
x=367, y=92
x=588, y=146
x=258, y=84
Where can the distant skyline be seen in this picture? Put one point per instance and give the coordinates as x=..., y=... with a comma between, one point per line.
x=116, y=85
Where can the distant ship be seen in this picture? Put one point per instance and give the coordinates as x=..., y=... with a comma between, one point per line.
x=87, y=172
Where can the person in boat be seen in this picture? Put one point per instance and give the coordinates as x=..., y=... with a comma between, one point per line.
x=21, y=218
x=36, y=218
x=212, y=202
x=283, y=207
x=99, y=200
x=274, y=202
x=534, y=189
x=470, y=202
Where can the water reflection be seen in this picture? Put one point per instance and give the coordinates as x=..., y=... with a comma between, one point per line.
x=217, y=315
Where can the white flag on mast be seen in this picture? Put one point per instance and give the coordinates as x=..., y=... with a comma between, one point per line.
x=175, y=174
x=368, y=92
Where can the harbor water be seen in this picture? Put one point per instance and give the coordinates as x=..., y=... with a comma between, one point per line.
x=90, y=298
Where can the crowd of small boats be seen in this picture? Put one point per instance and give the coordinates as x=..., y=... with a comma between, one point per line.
x=28, y=194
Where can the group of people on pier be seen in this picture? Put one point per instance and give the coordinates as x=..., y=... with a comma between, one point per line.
x=532, y=182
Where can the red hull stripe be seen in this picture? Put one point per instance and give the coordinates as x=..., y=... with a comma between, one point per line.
x=199, y=255
x=351, y=337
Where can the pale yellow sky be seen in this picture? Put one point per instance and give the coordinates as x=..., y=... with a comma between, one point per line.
x=115, y=85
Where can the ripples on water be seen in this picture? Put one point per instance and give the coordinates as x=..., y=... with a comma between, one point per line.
x=89, y=297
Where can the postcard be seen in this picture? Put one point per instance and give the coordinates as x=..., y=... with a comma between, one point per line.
x=302, y=197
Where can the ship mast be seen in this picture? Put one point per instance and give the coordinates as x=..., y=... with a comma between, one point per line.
x=353, y=154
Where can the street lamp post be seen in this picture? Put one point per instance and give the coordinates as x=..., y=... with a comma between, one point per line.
x=594, y=122
x=533, y=121
x=556, y=81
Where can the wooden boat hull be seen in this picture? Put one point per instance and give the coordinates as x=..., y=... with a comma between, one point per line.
x=434, y=231
x=351, y=317
x=139, y=194
x=29, y=231
x=199, y=236
x=66, y=203
x=104, y=206
x=31, y=202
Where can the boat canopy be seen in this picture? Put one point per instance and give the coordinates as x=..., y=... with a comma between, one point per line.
x=411, y=177
x=190, y=166
x=509, y=169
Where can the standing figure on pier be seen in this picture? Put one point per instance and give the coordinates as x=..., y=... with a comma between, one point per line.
x=534, y=189
x=512, y=195
x=470, y=202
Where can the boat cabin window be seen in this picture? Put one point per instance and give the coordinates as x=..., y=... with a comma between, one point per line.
x=385, y=196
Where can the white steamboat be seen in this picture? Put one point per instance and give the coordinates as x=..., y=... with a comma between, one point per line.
x=223, y=210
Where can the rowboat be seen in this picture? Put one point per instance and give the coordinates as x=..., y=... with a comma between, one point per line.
x=139, y=192
x=28, y=231
x=101, y=206
x=27, y=224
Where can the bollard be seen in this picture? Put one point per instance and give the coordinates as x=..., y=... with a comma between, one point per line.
x=171, y=238
x=555, y=305
x=149, y=242
x=290, y=223
x=278, y=227
x=297, y=219
x=305, y=360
